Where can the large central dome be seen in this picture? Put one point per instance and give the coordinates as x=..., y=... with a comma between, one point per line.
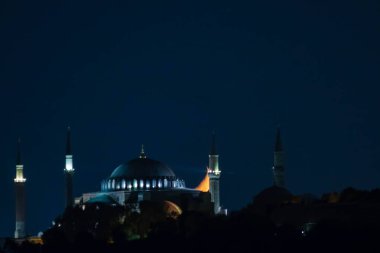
x=142, y=174
x=142, y=168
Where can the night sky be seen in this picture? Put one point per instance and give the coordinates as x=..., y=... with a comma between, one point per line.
x=167, y=74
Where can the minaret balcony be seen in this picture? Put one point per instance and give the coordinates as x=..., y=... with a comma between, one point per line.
x=20, y=180
x=214, y=173
x=69, y=170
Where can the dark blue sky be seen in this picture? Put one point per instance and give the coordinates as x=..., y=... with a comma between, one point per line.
x=167, y=74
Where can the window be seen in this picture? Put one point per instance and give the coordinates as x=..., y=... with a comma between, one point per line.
x=154, y=183
x=147, y=183
x=159, y=184
x=165, y=183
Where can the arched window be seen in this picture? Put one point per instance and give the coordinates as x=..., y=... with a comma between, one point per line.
x=109, y=184
x=113, y=184
x=118, y=184
x=129, y=185
x=134, y=184
x=180, y=184
x=159, y=183
x=123, y=184
x=141, y=183
x=165, y=183
x=147, y=183
x=154, y=183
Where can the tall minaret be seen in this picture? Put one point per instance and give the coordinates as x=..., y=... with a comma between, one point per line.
x=278, y=162
x=69, y=171
x=20, y=195
x=214, y=175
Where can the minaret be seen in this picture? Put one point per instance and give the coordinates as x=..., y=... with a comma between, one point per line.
x=278, y=162
x=214, y=175
x=69, y=171
x=20, y=195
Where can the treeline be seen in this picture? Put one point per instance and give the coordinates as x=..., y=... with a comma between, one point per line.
x=101, y=228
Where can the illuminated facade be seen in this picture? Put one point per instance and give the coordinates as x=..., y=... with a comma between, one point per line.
x=278, y=162
x=20, y=195
x=145, y=179
x=69, y=171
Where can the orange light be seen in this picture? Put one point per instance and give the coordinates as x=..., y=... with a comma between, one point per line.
x=204, y=186
x=35, y=240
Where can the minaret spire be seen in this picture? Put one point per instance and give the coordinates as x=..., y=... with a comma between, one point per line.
x=278, y=144
x=214, y=175
x=18, y=156
x=278, y=162
x=20, y=194
x=69, y=171
x=68, y=141
x=213, y=144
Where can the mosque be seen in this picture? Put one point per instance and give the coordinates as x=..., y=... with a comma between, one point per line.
x=140, y=179
x=145, y=179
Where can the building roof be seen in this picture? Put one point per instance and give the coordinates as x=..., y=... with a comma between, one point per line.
x=102, y=198
x=142, y=168
x=204, y=185
x=273, y=195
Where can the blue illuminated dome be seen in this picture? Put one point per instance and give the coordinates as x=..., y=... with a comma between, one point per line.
x=142, y=174
x=142, y=168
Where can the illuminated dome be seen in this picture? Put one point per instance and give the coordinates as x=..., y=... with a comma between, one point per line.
x=142, y=168
x=141, y=174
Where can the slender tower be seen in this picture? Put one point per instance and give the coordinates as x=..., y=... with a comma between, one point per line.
x=69, y=171
x=20, y=195
x=278, y=162
x=214, y=175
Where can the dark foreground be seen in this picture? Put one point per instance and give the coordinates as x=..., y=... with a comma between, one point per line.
x=344, y=222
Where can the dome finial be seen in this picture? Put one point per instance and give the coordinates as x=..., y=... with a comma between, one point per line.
x=142, y=153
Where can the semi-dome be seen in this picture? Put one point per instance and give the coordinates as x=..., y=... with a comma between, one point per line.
x=142, y=168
